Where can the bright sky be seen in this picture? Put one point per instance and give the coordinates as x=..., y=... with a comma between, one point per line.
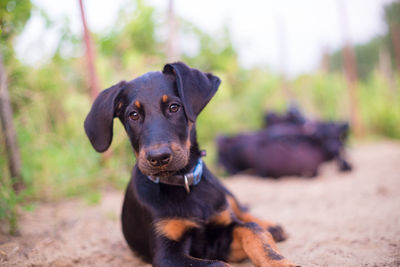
x=261, y=29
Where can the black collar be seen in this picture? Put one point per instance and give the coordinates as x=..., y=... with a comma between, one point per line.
x=193, y=177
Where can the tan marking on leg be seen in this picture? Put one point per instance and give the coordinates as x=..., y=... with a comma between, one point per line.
x=236, y=252
x=222, y=218
x=164, y=98
x=174, y=229
x=258, y=245
x=234, y=205
x=246, y=216
x=137, y=104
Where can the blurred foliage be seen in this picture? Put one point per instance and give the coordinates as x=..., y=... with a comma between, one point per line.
x=13, y=16
x=51, y=100
x=367, y=54
x=392, y=13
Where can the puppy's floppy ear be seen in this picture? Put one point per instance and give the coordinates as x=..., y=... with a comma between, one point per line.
x=195, y=88
x=99, y=122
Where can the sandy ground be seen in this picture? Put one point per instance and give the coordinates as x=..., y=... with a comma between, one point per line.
x=334, y=220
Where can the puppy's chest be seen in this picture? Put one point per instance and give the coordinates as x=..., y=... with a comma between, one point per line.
x=195, y=206
x=202, y=204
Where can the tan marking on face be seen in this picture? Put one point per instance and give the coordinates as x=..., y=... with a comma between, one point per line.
x=180, y=153
x=179, y=158
x=222, y=218
x=164, y=98
x=174, y=229
x=141, y=157
x=143, y=152
x=190, y=126
x=188, y=143
x=137, y=104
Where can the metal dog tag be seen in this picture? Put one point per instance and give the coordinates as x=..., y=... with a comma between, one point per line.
x=186, y=184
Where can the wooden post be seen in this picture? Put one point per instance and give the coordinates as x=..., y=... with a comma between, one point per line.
x=350, y=69
x=172, y=40
x=10, y=137
x=395, y=32
x=385, y=68
x=90, y=57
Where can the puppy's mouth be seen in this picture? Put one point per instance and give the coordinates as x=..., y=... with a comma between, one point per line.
x=162, y=172
x=177, y=161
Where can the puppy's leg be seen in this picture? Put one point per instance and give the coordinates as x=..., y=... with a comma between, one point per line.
x=252, y=241
x=276, y=230
x=173, y=245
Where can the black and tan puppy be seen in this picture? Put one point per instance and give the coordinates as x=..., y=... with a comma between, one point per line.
x=175, y=212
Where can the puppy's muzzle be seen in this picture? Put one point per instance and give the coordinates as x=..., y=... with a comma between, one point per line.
x=159, y=157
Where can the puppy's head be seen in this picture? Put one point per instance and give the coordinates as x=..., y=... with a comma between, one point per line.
x=158, y=111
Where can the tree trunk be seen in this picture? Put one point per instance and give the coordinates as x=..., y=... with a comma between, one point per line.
x=90, y=56
x=385, y=68
x=351, y=72
x=395, y=32
x=172, y=40
x=6, y=117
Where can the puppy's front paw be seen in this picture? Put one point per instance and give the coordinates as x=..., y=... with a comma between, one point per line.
x=277, y=233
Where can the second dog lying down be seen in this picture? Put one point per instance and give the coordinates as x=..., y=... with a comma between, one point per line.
x=285, y=149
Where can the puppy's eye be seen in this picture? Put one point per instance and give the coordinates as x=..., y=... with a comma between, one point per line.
x=174, y=108
x=134, y=115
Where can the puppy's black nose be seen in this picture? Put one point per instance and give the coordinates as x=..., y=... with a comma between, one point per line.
x=159, y=157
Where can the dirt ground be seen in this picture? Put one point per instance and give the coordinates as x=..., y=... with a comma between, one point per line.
x=334, y=220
